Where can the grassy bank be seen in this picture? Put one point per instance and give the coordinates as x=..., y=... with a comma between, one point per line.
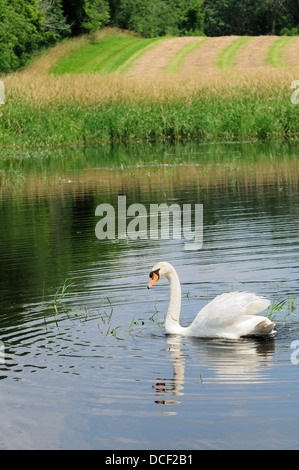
x=117, y=109
x=56, y=109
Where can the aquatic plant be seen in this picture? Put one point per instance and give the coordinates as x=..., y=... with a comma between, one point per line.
x=60, y=295
x=62, y=309
x=280, y=304
x=135, y=326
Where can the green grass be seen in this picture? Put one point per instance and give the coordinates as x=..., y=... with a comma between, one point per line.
x=227, y=57
x=244, y=114
x=110, y=54
x=275, y=56
x=177, y=60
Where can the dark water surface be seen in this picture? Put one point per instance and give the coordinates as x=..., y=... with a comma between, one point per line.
x=89, y=367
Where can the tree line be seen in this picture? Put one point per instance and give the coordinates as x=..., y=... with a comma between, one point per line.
x=28, y=25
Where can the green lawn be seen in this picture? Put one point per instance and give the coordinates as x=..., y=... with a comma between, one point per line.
x=110, y=54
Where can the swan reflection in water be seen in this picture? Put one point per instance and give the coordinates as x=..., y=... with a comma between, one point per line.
x=172, y=386
x=228, y=361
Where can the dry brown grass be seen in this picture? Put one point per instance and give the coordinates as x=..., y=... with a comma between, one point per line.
x=292, y=53
x=205, y=57
x=253, y=56
x=145, y=83
x=40, y=88
x=153, y=61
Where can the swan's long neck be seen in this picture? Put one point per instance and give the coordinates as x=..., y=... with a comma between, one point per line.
x=172, y=325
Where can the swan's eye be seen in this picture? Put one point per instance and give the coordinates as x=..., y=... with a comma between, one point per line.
x=154, y=272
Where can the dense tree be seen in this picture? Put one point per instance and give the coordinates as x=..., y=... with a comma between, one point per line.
x=54, y=22
x=251, y=17
x=214, y=17
x=20, y=32
x=85, y=16
x=150, y=18
x=191, y=17
x=158, y=17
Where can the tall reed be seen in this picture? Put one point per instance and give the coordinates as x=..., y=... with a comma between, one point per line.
x=44, y=110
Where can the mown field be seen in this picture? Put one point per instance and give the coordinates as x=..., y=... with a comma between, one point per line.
x=115, y=86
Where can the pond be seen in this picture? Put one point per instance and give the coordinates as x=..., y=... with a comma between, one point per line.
x=84, y=360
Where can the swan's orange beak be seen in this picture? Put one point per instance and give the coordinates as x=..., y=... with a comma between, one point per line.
x=154, y=279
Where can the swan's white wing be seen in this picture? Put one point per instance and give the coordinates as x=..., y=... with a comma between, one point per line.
x=226, y=310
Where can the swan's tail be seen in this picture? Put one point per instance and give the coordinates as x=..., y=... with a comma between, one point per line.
x=265, y=327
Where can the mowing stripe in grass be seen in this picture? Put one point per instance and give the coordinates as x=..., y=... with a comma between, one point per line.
x=144, y=46
x=275, y=54
x=110, y=54
x=227, y=57
x=94, y=57
x=177, y=60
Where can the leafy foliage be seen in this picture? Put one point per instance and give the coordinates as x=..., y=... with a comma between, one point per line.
x=20, y=33
x=54, y=23
x=251, y=17
x=159, y=17
x=86, y=16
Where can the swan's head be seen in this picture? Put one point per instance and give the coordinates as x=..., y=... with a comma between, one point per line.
x=161, y=269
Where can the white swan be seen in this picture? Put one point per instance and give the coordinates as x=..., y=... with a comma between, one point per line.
x=229, y=315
